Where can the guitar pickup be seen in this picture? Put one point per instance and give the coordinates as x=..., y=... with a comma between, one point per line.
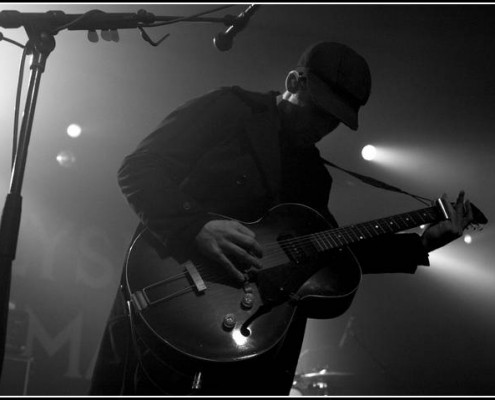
x=293, y=249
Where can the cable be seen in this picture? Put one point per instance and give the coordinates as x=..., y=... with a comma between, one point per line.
x=189, y=17
x=17, y=102
x=26, y=49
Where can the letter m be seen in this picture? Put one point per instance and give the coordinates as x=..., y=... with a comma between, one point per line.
x=70, y=334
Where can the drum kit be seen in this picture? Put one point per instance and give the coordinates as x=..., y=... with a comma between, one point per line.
x=316, y=383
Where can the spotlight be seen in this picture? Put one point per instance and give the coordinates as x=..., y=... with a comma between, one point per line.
x=468, y=239
x=74, y=130
x=66, y=158
x=369, y=152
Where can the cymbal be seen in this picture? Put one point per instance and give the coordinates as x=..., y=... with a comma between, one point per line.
x=325, y=372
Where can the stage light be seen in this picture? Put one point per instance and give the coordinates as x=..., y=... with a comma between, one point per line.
x=66, y=158
x=369, y=152
x=74, y=130
x=452, y=265
x=468, y=239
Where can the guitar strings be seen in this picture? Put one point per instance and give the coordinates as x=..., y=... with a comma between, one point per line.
x=319, y=241
x=274, y=252
x=348, y=232
x=208, y=273
x=311, y=243
x=174, y=294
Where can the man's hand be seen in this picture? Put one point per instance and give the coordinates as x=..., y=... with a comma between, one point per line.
x=228, y=242
x=460, y=216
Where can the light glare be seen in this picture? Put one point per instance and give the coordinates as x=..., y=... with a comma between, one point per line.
x=368, y=152
x=74, y=130
x=66, y=158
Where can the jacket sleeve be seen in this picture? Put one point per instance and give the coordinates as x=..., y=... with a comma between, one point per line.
x=150, y=177
x=401, y=252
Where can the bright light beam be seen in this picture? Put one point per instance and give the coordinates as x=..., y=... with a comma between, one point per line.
x=451, y=267
x=74, y=130
x=66, y=158
x=369, y=152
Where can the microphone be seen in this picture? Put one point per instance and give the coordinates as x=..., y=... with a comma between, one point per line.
x=223, y=41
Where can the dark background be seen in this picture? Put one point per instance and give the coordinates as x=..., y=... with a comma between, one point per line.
x=431, y=115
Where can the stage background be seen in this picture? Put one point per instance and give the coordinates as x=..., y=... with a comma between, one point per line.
x=431, y=113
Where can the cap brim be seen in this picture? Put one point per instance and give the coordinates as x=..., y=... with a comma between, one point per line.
x=331, y=102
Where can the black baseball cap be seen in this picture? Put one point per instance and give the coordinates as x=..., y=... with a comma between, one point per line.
x=339, y=79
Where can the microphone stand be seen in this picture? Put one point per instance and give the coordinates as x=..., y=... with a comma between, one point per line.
x=41, y=42
x=40, y=45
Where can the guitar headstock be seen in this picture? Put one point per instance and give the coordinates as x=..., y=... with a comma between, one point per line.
x=479, y=219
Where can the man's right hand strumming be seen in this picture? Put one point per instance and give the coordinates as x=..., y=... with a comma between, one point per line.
x=231, y=244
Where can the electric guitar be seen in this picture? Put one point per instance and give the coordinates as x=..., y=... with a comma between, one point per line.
x=190, y=313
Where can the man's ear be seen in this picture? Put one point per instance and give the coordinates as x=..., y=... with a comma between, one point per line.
x=294, y=82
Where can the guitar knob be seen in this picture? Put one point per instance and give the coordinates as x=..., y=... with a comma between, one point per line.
x=229, y=322
x=247, y=300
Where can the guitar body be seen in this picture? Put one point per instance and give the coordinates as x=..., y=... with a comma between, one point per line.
x=190, y=319
x=189, y=315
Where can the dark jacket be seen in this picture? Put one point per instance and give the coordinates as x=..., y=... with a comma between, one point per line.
x=222, y=153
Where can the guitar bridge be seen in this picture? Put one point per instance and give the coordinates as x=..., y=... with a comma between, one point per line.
x=154, y=293
x=198, y=282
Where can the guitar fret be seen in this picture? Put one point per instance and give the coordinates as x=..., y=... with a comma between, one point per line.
x=326, y=241
x=404, y=220
x=346, y=234
x=354, y=233
x=390, y=224
x=313, y=238
x=378, y=226
x=413, y=219
x=386, y=227
x=320, y=242
x=426, y=218
x=361, y=234
x=341, y=238
x=369, y=232
x=332, y=240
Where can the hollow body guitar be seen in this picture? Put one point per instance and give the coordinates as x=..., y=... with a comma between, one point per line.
x=188, y=315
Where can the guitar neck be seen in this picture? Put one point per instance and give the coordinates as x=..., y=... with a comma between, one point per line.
x=339, y=237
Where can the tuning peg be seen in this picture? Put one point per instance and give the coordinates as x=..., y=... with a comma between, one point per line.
x=93, y=36
x=114, y=33
x=106, y=35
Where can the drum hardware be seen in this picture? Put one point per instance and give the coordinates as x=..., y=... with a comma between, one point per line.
x=317, y=383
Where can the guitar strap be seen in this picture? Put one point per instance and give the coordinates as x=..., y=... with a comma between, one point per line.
x=256, y=107
x=376, y=183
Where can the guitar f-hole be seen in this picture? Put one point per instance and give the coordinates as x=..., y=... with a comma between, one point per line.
x=245, y=331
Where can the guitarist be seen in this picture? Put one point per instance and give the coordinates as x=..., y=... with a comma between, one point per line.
x=239, y=153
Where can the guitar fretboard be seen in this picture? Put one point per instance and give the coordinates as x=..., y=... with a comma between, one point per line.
x=335, y=238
